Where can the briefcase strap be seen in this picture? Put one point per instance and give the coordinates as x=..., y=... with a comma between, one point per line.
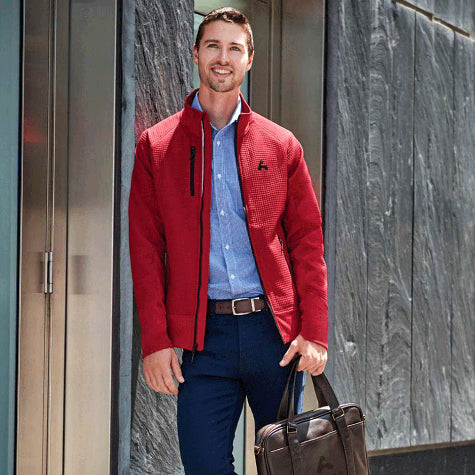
x=324, y=391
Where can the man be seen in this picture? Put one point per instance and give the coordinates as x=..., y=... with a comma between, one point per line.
x=227, y=254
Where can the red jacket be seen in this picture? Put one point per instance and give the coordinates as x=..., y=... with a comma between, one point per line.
x=169, y=228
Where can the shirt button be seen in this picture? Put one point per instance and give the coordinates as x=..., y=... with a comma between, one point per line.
x=219, y=176
x=232, y=276
x=227, y=246
x=222, y=212
x=218, y=143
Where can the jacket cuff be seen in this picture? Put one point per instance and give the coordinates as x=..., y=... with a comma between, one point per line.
x=316, y=332
x=154, y=341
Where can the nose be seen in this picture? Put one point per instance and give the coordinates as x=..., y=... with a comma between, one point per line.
x=223, y=55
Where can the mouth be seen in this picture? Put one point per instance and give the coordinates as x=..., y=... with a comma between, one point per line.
x=221, y=72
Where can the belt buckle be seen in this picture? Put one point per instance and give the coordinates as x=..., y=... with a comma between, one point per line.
x=243, y=313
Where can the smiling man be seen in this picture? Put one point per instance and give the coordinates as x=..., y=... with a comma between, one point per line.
x=226, y=250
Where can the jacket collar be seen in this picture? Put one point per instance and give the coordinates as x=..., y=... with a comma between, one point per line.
x=192, y=117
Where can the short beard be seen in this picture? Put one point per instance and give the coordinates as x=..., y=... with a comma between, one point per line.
x=216, y=86
x=219, y=87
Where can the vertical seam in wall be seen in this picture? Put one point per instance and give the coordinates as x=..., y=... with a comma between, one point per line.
x=454, y=102
x=412, y=227
x=332, y=16
x=367, y=216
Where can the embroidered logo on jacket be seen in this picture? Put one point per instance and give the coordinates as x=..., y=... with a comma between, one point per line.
x=262, y=165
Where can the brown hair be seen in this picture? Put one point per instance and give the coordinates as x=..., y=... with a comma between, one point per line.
x=231, y=15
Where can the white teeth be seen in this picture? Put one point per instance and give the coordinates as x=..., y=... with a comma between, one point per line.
x=221, y=71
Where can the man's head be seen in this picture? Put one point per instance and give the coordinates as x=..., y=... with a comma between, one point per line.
x=230, y=15
x=223, y=50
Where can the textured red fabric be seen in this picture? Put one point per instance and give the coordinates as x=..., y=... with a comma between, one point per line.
x=166, y=217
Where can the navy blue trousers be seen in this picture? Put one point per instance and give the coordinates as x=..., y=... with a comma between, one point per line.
x=240, y=359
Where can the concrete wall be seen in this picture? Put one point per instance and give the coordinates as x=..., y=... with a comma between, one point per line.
x=399, y=219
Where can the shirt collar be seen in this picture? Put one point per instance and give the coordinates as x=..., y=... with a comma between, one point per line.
x=234, y=117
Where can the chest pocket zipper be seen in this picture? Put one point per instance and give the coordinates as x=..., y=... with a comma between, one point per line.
x=192, y=170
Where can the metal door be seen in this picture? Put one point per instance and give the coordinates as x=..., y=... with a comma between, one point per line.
x=65, y=314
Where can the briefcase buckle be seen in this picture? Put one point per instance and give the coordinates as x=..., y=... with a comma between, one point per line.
x=291, y=428
x=337, y=412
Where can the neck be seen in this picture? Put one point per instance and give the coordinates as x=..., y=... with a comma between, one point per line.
x=218, y=105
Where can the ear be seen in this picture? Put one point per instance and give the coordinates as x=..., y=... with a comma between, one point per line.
x=249, y=61
x=195, y=54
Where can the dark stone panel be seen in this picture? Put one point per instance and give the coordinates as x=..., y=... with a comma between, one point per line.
x=163, y=59
x=346, y=199
x=434, y=238
x=154, y=444
x=463, y=297
x=330, y=169
x=389, y=216
x=455, y=460
x=460, y=13
x=163, y=66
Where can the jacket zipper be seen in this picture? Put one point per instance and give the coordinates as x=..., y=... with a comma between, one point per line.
x=165, y=260
x=195, y=344
x=192, y=171
x=286, y=257
x=247, y=227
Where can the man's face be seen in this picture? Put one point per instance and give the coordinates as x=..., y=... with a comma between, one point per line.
x=223, y=58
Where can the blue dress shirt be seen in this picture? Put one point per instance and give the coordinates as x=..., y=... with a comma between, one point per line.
x=232, y=267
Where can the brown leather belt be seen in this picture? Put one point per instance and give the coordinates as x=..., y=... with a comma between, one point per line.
x=240, y=306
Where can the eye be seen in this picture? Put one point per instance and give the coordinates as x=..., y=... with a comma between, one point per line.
x=212, y=45
x=236, y=48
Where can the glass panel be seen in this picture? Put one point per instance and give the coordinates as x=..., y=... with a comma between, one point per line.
x=9, y=131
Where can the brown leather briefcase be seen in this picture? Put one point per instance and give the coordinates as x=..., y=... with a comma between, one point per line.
x=329, y=440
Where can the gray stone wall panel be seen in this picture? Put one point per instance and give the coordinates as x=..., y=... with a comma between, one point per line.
x=433, y=232
x=463, y=256
x=349, y=325
x=399, y=221
x=460, y=13
x=163, y=65
x=389, y=206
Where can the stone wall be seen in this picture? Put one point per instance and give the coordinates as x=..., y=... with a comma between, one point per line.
x=399, y=221
x=163, y=66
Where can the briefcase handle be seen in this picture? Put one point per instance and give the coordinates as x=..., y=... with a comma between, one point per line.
x=325, y=395
x=323, y=390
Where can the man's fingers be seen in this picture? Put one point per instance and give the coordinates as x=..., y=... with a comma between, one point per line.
x=151, y=381
x=177, y=369
x=169, y=383
x=289, y=354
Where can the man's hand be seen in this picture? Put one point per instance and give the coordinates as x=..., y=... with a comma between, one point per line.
x=313, y=359
x=158, y=369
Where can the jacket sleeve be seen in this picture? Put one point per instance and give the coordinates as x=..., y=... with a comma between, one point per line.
x=147, y=252
x=302, y=224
